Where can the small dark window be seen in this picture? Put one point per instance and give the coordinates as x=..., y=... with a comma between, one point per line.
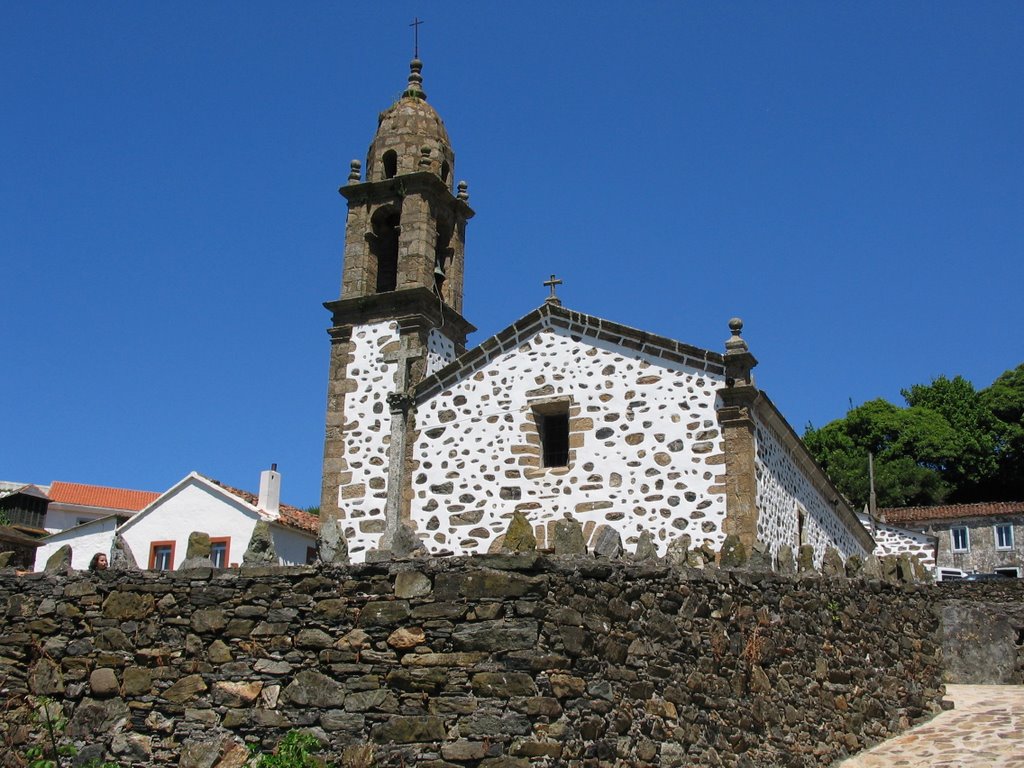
x=554, y=439
x=390, y=160
x=445, y=170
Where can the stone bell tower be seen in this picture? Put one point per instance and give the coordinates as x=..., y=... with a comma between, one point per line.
x=398, y=318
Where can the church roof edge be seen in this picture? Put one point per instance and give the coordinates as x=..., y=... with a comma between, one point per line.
x=604, y=330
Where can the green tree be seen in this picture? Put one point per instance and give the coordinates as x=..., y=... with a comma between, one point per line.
x=894, y=435
x=1005, y=401
x=970, y=463
x=949, y=443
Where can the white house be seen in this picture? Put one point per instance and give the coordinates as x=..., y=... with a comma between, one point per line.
x=86, y=540
x=158, y=534
x=72, y=504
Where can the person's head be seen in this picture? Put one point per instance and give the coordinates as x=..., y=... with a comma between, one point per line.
x=98, y=562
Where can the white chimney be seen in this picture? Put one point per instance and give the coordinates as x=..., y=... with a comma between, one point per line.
x=270, y=491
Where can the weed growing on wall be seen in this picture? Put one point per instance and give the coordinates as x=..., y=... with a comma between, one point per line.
x=49, y=752
x=295, y=750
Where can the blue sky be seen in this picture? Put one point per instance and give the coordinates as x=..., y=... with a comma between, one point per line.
x=847, y=177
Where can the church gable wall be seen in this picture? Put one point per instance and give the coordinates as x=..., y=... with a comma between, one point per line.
x=644, y=448
x=785, y=493
x=362, y=493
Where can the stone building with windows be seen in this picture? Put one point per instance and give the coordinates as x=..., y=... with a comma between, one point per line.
x=561, y=414
x=977, y=538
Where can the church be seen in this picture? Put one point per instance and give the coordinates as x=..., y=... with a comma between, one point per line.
x=560, y=415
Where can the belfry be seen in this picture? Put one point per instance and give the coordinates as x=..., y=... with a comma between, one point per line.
x=399, y=313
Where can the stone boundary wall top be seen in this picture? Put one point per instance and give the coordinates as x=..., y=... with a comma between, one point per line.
x=493, y=660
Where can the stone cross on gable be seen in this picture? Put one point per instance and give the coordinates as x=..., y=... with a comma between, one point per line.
x=553, y=298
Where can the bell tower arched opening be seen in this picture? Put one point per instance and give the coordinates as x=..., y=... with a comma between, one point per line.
x=443, y=253
x=390, y=162
x=387, y=225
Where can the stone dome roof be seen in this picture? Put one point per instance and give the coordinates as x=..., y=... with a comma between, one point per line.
x=406, y=129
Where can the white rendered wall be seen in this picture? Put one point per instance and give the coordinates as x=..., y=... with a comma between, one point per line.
x=440, y=351
x=290, y=545
x=781, y=486
x=85, y=540
x=60, y=519
x=363, y=491
x=194, y=507
x=651, y=452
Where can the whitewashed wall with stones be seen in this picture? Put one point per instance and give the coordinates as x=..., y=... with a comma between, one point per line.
x=363, y=489
x=783, y=488
x=647, y=448
x=440, y=351
x=890, y=540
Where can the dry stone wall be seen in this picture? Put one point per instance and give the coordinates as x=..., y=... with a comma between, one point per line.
x=645, y=448
x=784, y=492
x=495, y=660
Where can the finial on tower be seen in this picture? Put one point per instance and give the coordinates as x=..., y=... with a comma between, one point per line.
x=736, y=342
x=354, y=171
x=738, y=361
x=415, y=87
x=463, y=192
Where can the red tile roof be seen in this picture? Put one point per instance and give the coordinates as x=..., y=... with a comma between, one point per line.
x=100, y=496
x=952, y=511
x=293, y=517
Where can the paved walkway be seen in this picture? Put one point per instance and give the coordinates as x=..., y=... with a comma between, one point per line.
x=985, y=730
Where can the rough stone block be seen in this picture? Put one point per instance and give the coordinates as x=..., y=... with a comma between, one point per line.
x=411, y=584
x=59, y=561
x=568, y=538
x=519, y=536
x=332, y=545
x=103, y=683
x=313, y=689
x=606, y=542
x=409, y=730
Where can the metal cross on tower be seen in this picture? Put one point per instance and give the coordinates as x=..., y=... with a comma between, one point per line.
x=416, y=36
x=553, y=298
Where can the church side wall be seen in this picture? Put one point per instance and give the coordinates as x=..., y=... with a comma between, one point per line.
x=890, y=540
x=782, y=488
x=363, y=484
x=645, y=448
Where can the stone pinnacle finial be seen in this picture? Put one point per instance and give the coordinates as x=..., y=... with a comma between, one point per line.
x=735, y=342
x=355, y=169
x=463, y=192
x=415, y=87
